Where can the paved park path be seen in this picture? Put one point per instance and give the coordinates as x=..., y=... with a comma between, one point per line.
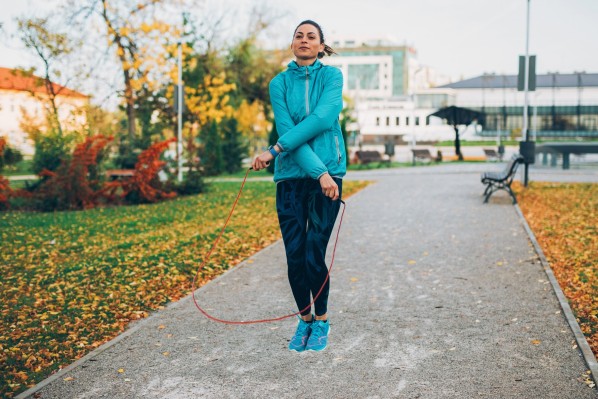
x=433, y=295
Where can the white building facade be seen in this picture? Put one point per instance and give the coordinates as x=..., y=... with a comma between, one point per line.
x=383, y=79
x=26, y=95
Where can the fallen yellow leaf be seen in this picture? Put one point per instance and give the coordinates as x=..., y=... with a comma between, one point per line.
x=536, y=341
x=121, y=370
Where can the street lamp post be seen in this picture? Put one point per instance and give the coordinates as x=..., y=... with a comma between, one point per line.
x=526, y=92
x=180, y=114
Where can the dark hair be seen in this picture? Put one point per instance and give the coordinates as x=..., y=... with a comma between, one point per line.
x=327, y=49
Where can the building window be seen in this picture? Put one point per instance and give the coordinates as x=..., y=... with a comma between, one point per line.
x=377, y=121
x=407, y=121
x=417, y=121
x=388, y=121
x=397, y=121
x=428, y=120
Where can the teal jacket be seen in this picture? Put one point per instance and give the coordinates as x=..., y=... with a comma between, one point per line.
x=307, y=101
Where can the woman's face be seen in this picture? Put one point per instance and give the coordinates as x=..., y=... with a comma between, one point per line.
x=306, y=43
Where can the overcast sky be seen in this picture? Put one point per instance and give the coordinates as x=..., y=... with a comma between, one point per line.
x=460, y=38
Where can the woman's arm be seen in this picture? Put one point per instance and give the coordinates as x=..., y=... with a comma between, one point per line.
x=323, y=116
x=303, y=155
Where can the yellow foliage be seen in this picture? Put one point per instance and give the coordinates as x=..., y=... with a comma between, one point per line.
x=210, y=101
x=251, y=120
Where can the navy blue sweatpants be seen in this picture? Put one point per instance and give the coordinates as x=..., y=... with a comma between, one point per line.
x=306, y=218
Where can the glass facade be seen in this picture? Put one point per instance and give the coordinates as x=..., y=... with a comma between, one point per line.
x=545, y=121
x=363, y=77
x=399, y=71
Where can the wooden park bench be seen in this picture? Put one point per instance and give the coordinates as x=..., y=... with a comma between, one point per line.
x=367, y=157
x=495, y=181
x=422, y=155
x=119, y=174
x=491, y=154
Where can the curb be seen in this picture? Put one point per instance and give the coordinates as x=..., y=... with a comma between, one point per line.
x=582, y=344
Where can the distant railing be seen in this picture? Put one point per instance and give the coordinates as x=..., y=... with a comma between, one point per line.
x=545, y=133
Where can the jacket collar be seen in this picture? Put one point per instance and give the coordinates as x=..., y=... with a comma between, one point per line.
x=293, y=67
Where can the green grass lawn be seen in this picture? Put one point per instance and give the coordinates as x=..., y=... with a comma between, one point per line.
x=73, y=280
x=21, y=168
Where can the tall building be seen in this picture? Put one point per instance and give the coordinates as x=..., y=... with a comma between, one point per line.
x=23, y=94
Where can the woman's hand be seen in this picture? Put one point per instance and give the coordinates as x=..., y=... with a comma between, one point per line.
x=329, y=187
x=262, y=161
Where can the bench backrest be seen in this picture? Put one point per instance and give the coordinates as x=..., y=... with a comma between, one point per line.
x=367, y=154
x=424, y=153
x=511, y=168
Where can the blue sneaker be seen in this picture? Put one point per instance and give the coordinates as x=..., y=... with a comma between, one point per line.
x=319, y=336
x=302, y=333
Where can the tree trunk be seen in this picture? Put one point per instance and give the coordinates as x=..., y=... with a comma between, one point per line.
x=457, y=143
x=130, y=107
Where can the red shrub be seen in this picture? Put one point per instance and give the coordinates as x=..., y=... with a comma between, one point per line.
x=5, y=190
x=144, y=185
x=70, y=186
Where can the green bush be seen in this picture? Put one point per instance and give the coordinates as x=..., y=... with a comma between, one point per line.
x=192, y=184
x=10, y=156
x=51, y=150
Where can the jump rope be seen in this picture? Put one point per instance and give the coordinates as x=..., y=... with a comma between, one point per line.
x=209, y=316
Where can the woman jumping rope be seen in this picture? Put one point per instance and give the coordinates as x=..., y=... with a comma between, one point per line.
x=310, y=162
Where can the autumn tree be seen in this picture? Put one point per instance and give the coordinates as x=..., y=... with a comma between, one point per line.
x=51, y=47
x=142, y=35
x=251, y=69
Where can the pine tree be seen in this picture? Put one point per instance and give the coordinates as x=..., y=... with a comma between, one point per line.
x=272, y=139
x=211, y=157
x=234, y=149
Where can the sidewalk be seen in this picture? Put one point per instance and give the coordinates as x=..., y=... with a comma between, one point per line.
x=433, y=295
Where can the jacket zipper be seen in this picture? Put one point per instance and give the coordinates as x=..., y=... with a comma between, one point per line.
x=338, y=149
x=306, y=91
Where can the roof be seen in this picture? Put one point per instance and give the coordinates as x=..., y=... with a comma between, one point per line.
x=18, y=80
x=510, y=81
